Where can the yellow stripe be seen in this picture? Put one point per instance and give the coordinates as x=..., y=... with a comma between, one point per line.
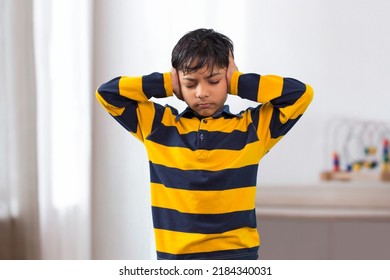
x=270, y=87
x=168, y=84
x=186, y=243
x=145, y=114
x=263, y=130
x=131, y=87
x=183, y=126
x=203, y=202
x=214, y=160
x=234, y=82
x=220, y=124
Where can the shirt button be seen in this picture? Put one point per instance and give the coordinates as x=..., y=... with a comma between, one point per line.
x=201, y=137
x=204, y=121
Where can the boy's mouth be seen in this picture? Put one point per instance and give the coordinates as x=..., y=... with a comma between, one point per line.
x=205, y=105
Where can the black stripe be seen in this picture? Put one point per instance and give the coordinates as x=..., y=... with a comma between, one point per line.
x=277, y=128
x=158, y=115
x=110, y=93
x=174, y=220
x=153, y=85
x=129, y=119
x=216, y=255
x=248, y=86
x=235, y=140
x=255, y=115
x=170, y=136
x=203, y=179
x=291, y=92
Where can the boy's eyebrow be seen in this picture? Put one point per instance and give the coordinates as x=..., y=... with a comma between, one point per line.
x=190, y=79
x=212, y=74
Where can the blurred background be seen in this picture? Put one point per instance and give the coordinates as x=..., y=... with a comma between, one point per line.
x=75, y=185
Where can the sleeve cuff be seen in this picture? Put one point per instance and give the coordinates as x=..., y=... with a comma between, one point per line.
x=234, y=83
x=168, y=84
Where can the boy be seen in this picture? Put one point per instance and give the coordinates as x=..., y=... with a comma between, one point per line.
x=203, y=161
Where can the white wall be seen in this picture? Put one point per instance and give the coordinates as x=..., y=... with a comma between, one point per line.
x=339, y=47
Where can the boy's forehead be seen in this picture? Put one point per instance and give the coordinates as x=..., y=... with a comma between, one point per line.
x=204, y=71
x=198, y=64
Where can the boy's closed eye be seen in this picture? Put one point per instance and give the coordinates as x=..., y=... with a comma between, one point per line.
x=214, y=82
x=192, y=85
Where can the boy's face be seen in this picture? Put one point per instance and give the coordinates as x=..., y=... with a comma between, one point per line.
x=204, y=91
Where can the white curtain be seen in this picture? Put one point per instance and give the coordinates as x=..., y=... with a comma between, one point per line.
x=45, y=142
x=19, y=181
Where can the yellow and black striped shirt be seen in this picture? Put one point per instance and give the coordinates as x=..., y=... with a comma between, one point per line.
x=203, y=171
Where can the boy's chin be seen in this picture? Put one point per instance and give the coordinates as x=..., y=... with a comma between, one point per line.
x=205, y=113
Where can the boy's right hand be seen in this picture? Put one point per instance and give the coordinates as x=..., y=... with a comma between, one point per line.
x=176, y=83
x=232, y=67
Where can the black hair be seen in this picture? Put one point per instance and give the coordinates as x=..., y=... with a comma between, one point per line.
x=200, y=48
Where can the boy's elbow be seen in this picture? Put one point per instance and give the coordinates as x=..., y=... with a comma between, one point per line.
x=309, y=93
x=109, y=88
x=100, y=98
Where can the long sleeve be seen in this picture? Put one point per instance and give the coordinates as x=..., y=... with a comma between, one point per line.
x=283, y=101
x=127, y=100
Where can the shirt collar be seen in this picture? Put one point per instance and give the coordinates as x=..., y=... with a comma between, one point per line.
x=225, y=112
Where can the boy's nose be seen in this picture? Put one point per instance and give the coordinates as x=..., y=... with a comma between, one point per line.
x=202, y=92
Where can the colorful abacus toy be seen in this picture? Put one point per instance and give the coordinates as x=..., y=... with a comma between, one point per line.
x=385, y=161
x=355, y=145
